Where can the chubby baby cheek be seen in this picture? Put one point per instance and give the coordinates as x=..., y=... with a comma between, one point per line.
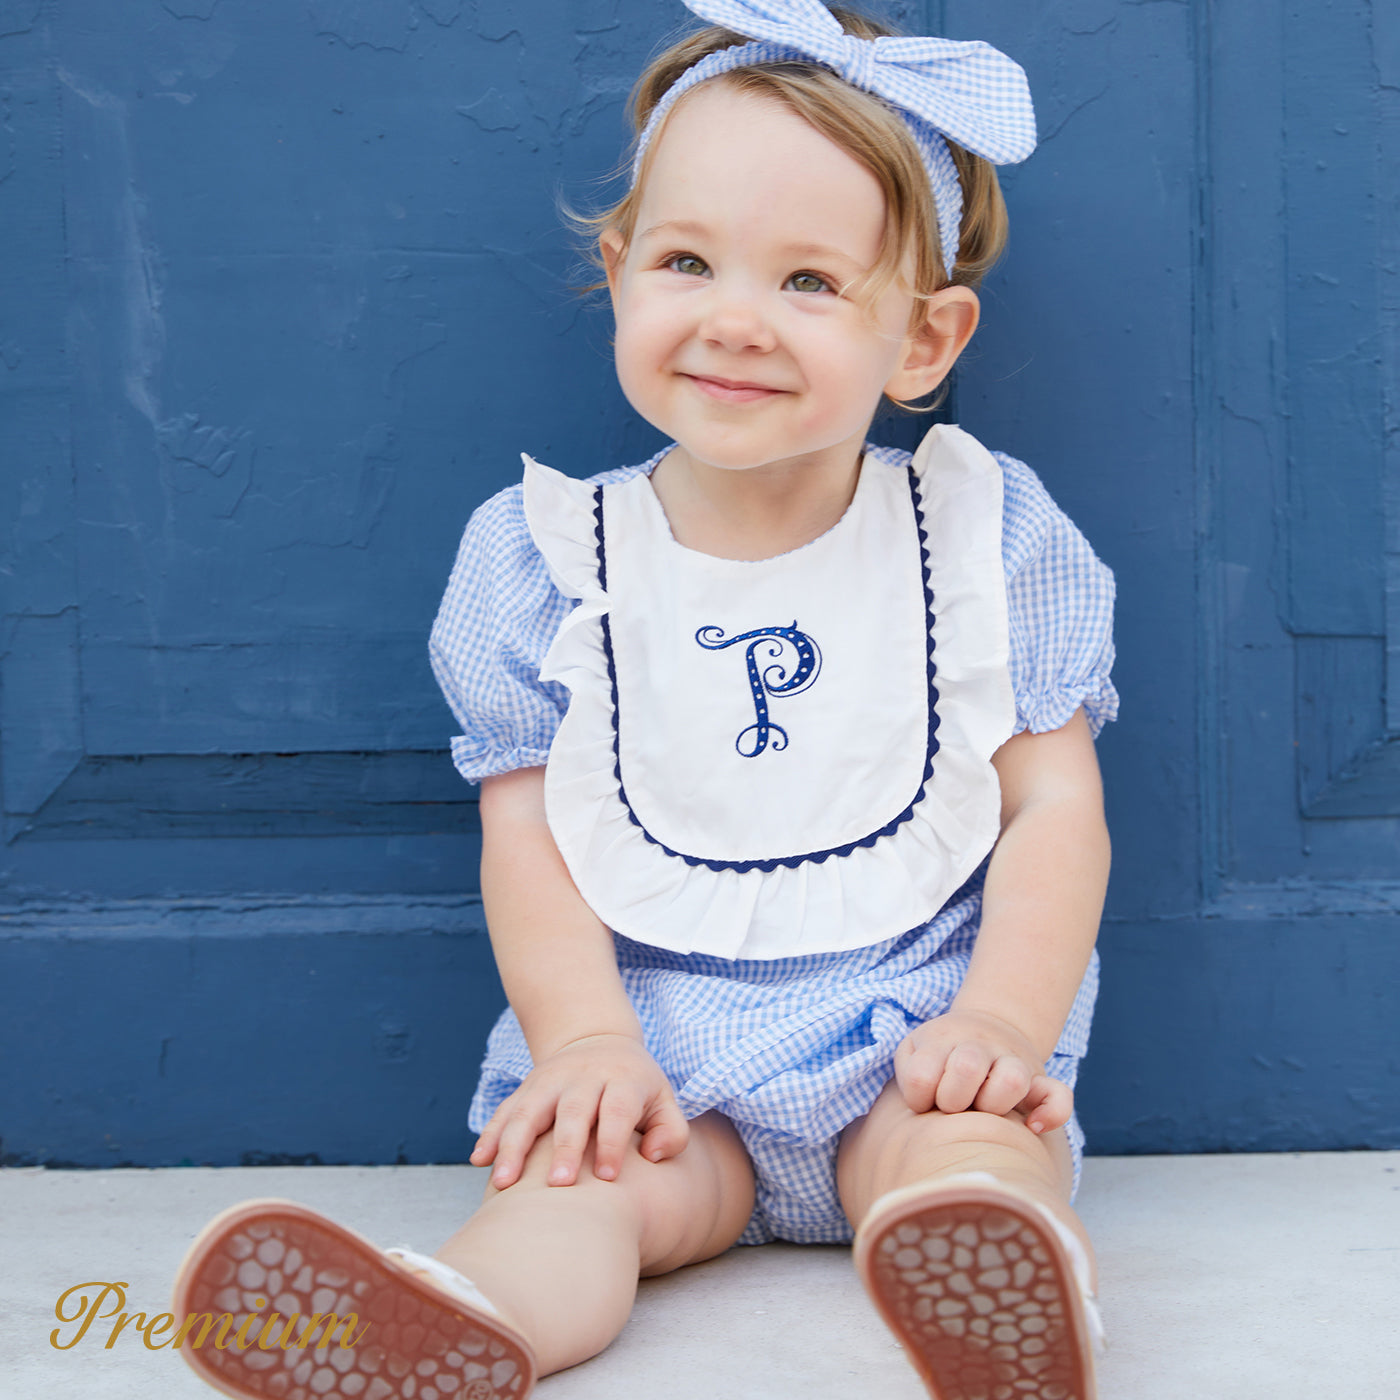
x=844, y=411
x=636, y=382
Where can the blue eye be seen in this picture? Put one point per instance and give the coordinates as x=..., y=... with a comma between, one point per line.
x=808, y=282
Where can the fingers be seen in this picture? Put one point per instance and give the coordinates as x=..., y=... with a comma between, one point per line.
x=662, y=1126
x=963, y=1076
x=523, y=1123
x=573, y=1125
x=601, y=1106
x=1047, y=1104
x=617, y=1119
x=1006, y=1085
x=614, y=1118
x=665, y=1132
x=955, y=1076
x=919, y=1073
x=484, y=1153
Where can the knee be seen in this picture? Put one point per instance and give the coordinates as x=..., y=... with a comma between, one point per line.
x=682, y=1210
x=891, y=1124
x=893, y=1145
x=701, y=1201
x=619, y=1209
x=906, y=1135
x=971, y=1125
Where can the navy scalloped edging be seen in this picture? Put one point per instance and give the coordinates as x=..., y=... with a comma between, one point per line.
x=817, y=857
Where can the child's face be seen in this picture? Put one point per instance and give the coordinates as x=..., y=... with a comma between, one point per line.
x=732, y=336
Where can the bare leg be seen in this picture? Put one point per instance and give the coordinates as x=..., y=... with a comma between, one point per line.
x=892, y=1147
x=557, y=1265
x=561, y=1263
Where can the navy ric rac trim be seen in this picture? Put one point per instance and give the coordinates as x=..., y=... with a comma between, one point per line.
x=791, y=862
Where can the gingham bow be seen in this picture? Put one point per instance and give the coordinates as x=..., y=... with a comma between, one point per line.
x=971, y=92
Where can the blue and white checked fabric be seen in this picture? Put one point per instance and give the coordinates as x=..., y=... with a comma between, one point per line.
x=968, y=92
x=500, y=613
x=790, y=1049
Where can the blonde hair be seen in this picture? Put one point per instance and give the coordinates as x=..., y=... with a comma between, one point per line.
x=861, y=124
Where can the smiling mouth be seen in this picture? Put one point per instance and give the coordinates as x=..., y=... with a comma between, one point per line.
x=732, y=390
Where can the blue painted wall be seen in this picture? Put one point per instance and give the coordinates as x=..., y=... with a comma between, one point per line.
x=284, y=293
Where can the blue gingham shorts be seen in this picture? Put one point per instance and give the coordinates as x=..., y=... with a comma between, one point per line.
x=791, y=1050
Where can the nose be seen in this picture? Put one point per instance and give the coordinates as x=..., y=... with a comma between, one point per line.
x=734, y=319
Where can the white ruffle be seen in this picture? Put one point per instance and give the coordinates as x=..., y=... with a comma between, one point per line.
x=877, y=891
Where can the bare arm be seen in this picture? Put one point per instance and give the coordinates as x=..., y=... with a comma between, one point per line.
x=1045, y=884
x=559, y=971
x=1040, y=915
x=555, y=956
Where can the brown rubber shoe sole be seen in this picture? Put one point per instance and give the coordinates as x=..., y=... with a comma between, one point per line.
x=410, y=1339
x=980, y=1292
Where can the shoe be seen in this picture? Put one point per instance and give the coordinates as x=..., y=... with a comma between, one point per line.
x=985, y=1289
x=393, y=1335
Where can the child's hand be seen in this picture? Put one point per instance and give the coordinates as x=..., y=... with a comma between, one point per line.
x=970, y=1059
x=605, y=1081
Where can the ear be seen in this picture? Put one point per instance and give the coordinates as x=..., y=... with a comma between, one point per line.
x=933, y=346
x=613, y=250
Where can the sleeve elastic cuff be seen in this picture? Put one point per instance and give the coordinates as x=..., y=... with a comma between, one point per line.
x=1043, y=713
x=474, y=764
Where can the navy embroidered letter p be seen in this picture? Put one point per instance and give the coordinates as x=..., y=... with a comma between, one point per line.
x=773, y=679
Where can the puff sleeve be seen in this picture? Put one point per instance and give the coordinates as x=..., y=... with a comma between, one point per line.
x=496, y=620
x=1060, y=610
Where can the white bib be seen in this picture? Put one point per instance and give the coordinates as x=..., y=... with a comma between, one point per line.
x=783, y=756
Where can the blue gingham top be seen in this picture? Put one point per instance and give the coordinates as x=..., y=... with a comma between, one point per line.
x=789, y=1050
x=501, y=611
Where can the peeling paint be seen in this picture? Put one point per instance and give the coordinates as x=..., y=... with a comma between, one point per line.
x=19, y=16
x=393, y=1041
x=140, y=260
x=343, y=507
x=186, y=440
x=602, y=62
x=491, y=112
x=7, y=150
x=1065, y=114
x=598, y=16
x=190, y=9
x=1086, y=17
x=443, y=12
x=495, y=20
x=376, y=24
x=339, y=301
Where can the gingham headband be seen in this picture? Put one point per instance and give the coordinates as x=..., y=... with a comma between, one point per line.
x=969, y=92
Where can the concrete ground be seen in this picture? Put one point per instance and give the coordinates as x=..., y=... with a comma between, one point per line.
x=1223, y=1278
